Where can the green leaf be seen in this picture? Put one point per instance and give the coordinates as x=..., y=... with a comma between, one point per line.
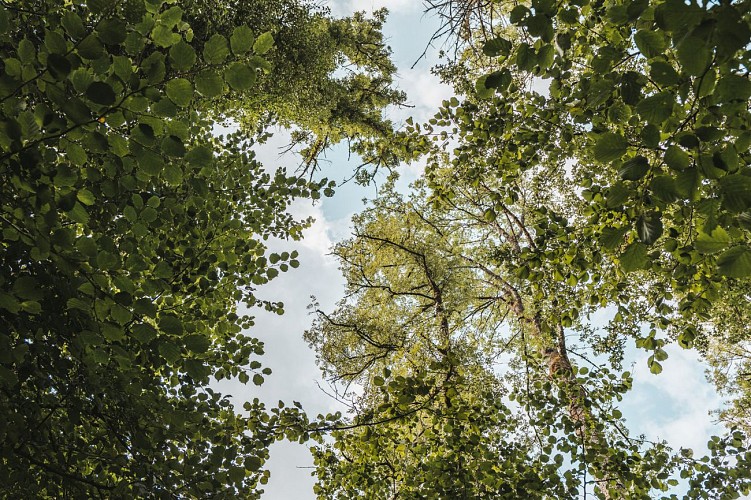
x=196, y=369
x=676, y=158
x=180, y=91
x=58, y=66
x=711, y=243
x=197, y=343
x=694, y=55
x=101, y=93
x=496, y=47
x=481, y=90
x=163, y=36
x=9, y=303
x=687, y=183
x=634, y=168
x=112, y=31
x=735, y=262
x=90, y=47
x=241, y=40
x=732, y=88
x=649, y=227
x=239, y=76
x=650, y=136
x=663, y=73
x=657, y=108
x=169, y=351
x=209, y=83
x=617, y=195
x=654, y=366
x=609, y=147
x=173, y=174
x=736, y=192
x=86, y=197
x=650, y=43
x=216, y=50
x=663, y=187
x=170, y=324
x=182, y=56
x=611, y=238
x=263, y=43
x=258, y=379
x=635, y=257
x=144, y=333
x=498, y=79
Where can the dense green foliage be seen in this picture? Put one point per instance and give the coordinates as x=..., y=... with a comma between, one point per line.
x=130, y=233
x=623, y=188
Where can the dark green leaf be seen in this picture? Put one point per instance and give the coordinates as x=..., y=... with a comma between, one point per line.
x=240, y=77
x=676, y=158
x=101, y=93
x=650, y=43
x=649, y=227
x=657, y=108
x=609, y=147
x=216, y=50
x=634, y=168
x=497, y=47
x=182, y=56
x=735, y=262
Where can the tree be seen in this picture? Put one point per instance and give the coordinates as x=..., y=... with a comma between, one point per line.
x=130, y=233
x=622, y=188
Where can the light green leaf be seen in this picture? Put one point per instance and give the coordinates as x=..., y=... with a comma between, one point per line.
x=180, y=91
x=635, y=257
x=263, y=43
x=717, y=240
x=241, y=40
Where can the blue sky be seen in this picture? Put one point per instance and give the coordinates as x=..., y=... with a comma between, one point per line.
x=673, y=406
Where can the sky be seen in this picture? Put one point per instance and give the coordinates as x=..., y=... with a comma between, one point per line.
x=672, y=406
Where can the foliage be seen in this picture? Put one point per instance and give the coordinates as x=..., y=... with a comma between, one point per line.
x=130, y=233
x=622, y=188
x=331, y=77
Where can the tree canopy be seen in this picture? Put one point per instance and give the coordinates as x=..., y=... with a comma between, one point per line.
x=130, y=232
x=594, y=159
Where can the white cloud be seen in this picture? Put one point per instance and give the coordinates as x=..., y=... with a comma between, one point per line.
x=675, y=404
x=347, y=7
x=295, y=374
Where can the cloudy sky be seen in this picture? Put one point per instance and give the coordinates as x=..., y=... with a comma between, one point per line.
x=672, y=406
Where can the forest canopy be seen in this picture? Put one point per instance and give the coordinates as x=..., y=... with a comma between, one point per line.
x=594, y=162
